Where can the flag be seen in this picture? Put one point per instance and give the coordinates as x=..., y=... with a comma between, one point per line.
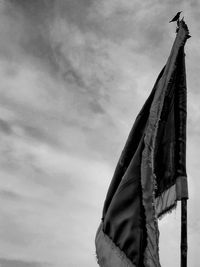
x=151, y=173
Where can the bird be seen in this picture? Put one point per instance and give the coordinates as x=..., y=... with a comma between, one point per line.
x=176, y=18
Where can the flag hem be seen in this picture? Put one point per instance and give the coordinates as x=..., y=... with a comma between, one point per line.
x=181, y=187
x=166, y=202
x=108, y=254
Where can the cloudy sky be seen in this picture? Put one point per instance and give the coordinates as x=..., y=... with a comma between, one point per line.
x=74, y=74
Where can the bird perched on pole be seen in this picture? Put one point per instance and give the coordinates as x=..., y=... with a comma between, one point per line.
x=176, y=18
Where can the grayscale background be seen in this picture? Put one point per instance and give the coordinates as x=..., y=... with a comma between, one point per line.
x=73, y=76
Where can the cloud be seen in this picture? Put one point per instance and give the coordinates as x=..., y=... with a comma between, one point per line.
x=19, y=263
x=5, y=127
x=48, y=201
x=74, y=75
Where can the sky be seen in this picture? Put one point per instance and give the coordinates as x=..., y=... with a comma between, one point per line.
x=74, y=75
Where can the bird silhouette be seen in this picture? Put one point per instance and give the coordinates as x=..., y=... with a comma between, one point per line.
x=176, y=18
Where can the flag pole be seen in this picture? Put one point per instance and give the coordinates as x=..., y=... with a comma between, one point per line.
x=184, y=232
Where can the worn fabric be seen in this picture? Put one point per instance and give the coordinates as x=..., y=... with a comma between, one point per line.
x=151, y=173
x=108, y=253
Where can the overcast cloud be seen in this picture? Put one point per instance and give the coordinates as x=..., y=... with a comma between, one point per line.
x=74, y=75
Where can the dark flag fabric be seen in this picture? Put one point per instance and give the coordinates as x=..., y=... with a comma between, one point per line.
x=151, y=173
